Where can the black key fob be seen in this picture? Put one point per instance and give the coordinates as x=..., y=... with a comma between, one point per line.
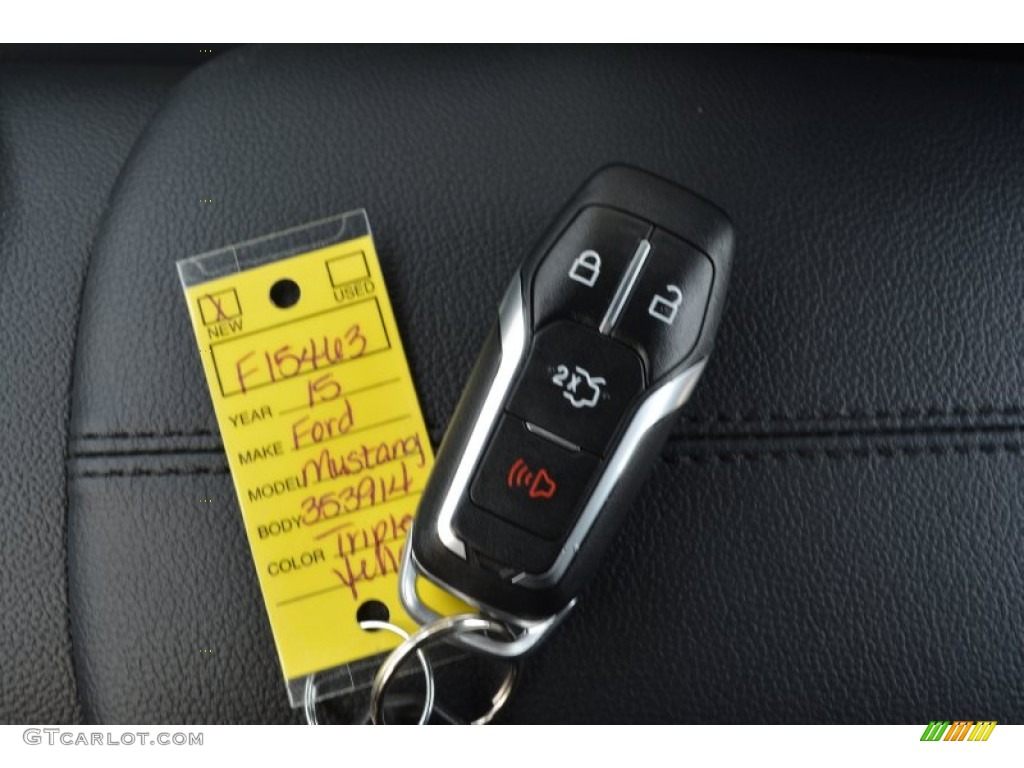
x=600, y=339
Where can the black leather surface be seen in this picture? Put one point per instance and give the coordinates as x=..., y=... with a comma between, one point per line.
x=835, y=534
x=65, y=131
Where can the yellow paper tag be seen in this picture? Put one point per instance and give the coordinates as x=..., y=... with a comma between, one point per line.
x=324, y=436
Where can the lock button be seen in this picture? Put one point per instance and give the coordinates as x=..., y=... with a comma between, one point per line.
x=578, y=277
x=586, y=268
x=666, y=309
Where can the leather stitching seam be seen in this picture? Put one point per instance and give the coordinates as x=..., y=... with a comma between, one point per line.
x=884, y=452
x=922, y=412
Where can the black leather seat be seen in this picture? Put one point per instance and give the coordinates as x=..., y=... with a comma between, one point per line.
x=835, y=531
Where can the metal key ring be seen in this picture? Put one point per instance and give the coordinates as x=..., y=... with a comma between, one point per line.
x=436, y=631
x=309, y=692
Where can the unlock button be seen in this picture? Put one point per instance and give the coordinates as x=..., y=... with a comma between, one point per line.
x=666, y=309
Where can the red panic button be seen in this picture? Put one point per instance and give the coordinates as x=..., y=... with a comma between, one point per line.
x=539, y=484
x=531, y=481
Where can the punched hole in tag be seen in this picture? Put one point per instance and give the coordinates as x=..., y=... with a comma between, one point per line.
x=285, y=293
x=372, y=611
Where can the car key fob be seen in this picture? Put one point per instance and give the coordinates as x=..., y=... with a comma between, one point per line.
x=600, y=339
